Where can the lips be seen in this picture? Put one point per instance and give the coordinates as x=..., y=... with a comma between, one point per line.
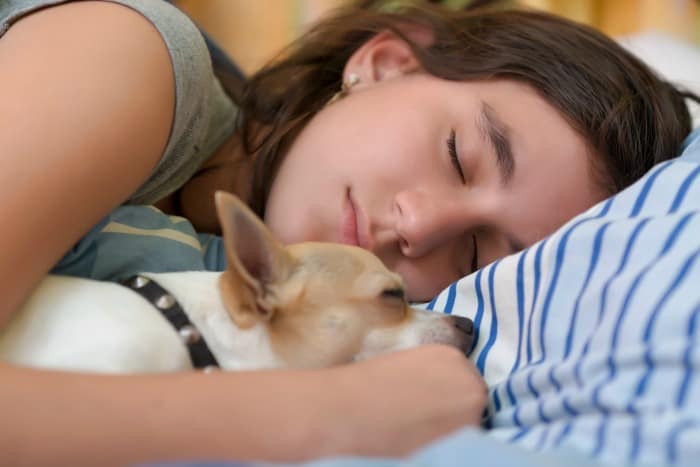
x=354, y=229
x=348, y=226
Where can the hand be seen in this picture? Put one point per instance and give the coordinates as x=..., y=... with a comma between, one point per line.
x=394, y=404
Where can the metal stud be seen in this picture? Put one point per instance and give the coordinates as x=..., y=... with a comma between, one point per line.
x=188, y=334
x=165, y=301
x=345, y=87
x=139, y=281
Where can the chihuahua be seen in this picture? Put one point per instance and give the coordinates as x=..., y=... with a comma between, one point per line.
x=306, y=305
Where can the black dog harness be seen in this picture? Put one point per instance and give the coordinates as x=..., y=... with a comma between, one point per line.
x=165, y=302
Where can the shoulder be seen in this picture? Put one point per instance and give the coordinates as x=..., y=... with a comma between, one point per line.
x=98, y=70
x=94, y=37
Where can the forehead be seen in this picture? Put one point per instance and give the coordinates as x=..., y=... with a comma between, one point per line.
x=553, y=161
x=552, y=178
x=535, y=126
x=516, y=103
x=544, y=144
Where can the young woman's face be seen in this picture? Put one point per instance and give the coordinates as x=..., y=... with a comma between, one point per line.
x=435, y=177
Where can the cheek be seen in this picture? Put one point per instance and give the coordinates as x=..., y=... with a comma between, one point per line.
x=288, y=208
x=293, y=208
x=541, y=208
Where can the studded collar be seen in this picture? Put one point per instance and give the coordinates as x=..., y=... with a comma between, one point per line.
x=163, y=301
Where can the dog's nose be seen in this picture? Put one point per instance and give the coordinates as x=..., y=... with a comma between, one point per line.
x=466, y=326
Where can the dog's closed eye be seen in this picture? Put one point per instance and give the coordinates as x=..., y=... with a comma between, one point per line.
x=396, y=293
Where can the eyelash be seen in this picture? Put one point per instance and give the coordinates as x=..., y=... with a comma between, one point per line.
x=475, y=255
x=452, y=150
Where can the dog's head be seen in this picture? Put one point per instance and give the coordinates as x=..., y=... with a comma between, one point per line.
x=322, y=304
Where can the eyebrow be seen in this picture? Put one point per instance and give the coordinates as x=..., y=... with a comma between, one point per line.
x=496, y=133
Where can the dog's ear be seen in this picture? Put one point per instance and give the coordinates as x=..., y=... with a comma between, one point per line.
x=257, y=262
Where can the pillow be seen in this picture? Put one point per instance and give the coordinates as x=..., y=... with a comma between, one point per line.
x=588, y=340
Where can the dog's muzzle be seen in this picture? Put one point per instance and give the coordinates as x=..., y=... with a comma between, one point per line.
x=466, y=327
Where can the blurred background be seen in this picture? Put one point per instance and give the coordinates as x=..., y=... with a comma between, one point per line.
x=253, y=31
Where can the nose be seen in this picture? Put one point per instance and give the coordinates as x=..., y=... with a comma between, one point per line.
x=423, y=222
x=466, y=326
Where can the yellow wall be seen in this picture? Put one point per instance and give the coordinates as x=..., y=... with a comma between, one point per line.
x=680, y=18
x=252, y=31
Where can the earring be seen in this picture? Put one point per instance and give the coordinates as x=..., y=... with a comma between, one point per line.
x=348, y=83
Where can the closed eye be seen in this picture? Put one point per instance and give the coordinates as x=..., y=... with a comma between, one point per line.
x=454, y=158
x=475, y=255
x=393, y=293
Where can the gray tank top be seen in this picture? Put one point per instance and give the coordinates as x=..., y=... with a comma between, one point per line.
x=204, y=115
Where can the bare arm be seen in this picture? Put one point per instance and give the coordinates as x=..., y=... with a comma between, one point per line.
x=87, y=98
x=52, y=418
x=387, y=406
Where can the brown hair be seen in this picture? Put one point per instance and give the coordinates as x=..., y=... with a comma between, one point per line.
x=630, y=117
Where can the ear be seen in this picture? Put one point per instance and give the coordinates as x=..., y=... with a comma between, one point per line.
x=386, y=56
x=257, y=261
